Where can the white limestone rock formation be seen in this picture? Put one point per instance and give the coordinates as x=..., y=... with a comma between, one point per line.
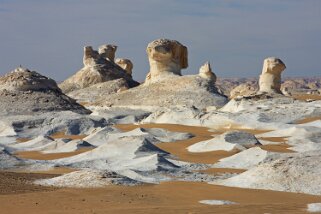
x=246, y=159
x=165, y=86
x=166, y=59
x=24, y=92
x=98, y=67
x=207, y=73
x=270, y=79
x=231, y=140
x=299, y=173
x=125, y=64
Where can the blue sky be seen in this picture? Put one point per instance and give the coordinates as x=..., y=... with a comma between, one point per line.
x=235, y=36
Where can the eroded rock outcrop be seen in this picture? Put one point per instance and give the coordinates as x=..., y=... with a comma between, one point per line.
x=125, y=64
x=166, y=58
x=270, y=79
x=207, y=73
x=23, y=91
x=165, y=86
x=99, y=66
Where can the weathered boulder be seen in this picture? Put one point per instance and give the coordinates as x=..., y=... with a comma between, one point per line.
x=270, y=79
x=24, y=92
x=125, y=64
x=166, y=58
x=99, y=66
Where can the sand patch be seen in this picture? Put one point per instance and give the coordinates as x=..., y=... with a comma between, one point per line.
x=168, y=197
x=59, y=135
x=307, y=97
x=36, y=155
x=22, y=139
x=308, y=120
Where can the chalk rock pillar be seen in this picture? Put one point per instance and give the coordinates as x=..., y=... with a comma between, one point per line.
x=166, y=58
x=270, y=79
x=206, y=72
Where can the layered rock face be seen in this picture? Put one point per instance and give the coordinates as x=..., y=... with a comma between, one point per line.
x=166, y=58
x=125, y=64
x=23, y=92
x=99, y=66
x=270, y=79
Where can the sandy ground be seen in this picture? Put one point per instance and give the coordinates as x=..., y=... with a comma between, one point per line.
x=167, y=197
x=308, y=120
x=35, y=155
x=307, y=96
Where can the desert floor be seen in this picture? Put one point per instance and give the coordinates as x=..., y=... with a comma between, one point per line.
x=18, y=195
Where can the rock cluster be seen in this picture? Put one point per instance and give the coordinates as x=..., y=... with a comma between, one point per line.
x=99, y=66
x=165, y=86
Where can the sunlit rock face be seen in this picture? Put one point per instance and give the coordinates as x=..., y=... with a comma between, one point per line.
x=99, y=66
x=166, y=59
x=270, y=79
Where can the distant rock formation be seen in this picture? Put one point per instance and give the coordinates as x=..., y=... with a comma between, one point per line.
x=125, y=64
x=23, y=92
x=206, y=72
x=99, y=66
x=244, y=89
x=166, y=58
x=270, y=79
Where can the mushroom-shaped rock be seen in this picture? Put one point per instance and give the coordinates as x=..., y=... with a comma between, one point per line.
x=270, y=79
x=107, y=52
x=125, y=64
x=24, y=92
x=206, y=72
x=166, y=58
x=99, y=66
